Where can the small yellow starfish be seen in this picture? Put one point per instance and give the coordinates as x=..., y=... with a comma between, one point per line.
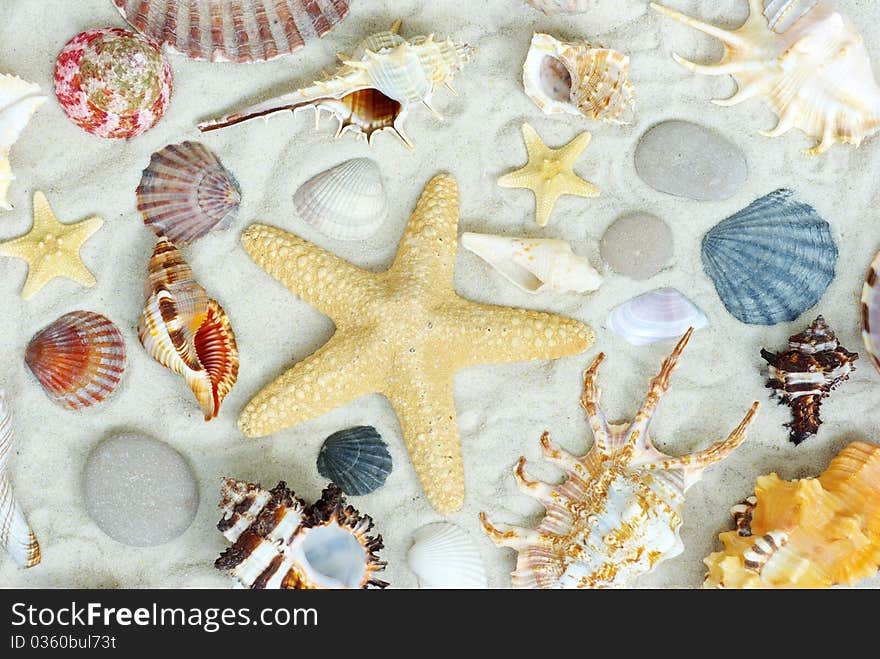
x=51, y=248
x=549, y=172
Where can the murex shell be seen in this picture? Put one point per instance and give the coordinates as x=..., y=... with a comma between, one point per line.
x=187, y=332
x=112, y=83
x=871, y=312
x=808, y=62
x=808, y=533
x=654, y=316
x=15, y=535
x=374, y=88
x=345, y=202
x=233, y=30
x=535, y=265
x=185, y=192
x=444, y=556
x=618, y=513
x=280, y=542
x=79, y=359
x=814, y=364
x=577, y=78
x=771, y=261
x=356, y=459
x=19, y=100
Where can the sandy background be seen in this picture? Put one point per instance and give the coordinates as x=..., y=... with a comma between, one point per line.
x=502, y=409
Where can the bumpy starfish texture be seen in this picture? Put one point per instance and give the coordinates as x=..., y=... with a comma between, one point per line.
x=51, y=248
x=402, y=333
x=549, y=173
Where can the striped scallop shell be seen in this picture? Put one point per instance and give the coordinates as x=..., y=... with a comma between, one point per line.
x=771, y=261
x=345, y=202
x=356, y=459
x=186, y=192
x=654, y=316
x=444, y=556
x=233, y=30
x=871, y=312
x=15, y=534
x=79, y=359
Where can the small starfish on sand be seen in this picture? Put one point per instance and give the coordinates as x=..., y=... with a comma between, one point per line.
x=549, y=172
x=51, y=248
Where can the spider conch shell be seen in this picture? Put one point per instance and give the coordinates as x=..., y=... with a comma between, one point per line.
x=374, y=88
x=19, y=100
x=15, y=534
x=809, y=533
x=577, y=78
x=186, y=331
x=619, y=511
x=807, y=60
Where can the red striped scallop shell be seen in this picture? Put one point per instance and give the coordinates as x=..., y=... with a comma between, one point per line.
x=185, y=192
x=79, y=359
x=233, y=30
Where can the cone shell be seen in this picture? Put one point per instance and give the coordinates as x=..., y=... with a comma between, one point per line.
x=233, y=30
x=658, y=315
x=356, y=459
x=808, y=533
x=771, y=261
x=186, y=192
x=113, y=83
x=79, y=359
x=871, y=312
x=346, y=202
x=15, y=534
x=444, y=556
x=19, y=100
x=281, y=542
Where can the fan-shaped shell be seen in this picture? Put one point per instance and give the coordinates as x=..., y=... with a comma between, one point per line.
x=15, y=535
x=79, y=359
x=19, y=100
x=112, y=83
x=871, y=312
x=771, y=261
x=654, y=316
x=345, y=202
x=185, y=192
x=444, y=556
x=233, y=30
x=356, y=459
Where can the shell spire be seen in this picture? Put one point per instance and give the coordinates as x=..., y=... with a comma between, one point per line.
x=15, y=535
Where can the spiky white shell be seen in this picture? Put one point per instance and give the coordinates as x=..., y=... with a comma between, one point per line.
x=654, y=316
x=19, y=100
x=444, y=556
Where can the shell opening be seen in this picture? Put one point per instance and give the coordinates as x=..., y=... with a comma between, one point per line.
x=555, y=79
x=336, y=556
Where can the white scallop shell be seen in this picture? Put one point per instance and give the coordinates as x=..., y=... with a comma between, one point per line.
x=535, y=265
x=658, y=315
x=346, y=202
x=443, y=556
x=18, y=102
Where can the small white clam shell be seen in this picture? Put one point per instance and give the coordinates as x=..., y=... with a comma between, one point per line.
x=534, y=265
x=443, y=556
x=658, y=315
x=345, y=202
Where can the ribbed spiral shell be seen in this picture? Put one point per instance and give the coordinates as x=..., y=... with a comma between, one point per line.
x=356, y=459
x=15, y=534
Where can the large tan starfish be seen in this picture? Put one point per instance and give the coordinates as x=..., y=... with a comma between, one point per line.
x=51, y=249
x=402, y=333
x=549, y=172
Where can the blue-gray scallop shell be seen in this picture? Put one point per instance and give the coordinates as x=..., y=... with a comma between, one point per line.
x=356, y=459
x=772, y=260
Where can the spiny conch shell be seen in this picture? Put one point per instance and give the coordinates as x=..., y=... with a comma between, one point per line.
x=654, y=316
x=771, y=261
x=79, y=359
x=19, y=100
x=535, y=265
x=551, y=7
x=808, y=533
x=444, y=556
x=185, y=331
x=814, y=364
x=356, y=459
x=618, y=513
x=373, y=90
x=345, y=202
x=15, y=534
x=871, y=312
x=809, y=63
x=577, y=78
x=233, y=30
x=280, y=542
x=185, y=192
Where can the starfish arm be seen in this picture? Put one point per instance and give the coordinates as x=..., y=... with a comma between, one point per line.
x=545, y=202
x=520, y=178
x=569, y=153
x=77, y=234
x=343, y=369
x=37, y=277
x=577, y=186
x=535, y=148
x=44, y=217
x=323, y=280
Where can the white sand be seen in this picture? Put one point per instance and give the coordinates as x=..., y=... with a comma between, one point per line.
x=502, y=409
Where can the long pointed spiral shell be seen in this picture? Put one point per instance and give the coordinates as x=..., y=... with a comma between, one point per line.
x=15, y=535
